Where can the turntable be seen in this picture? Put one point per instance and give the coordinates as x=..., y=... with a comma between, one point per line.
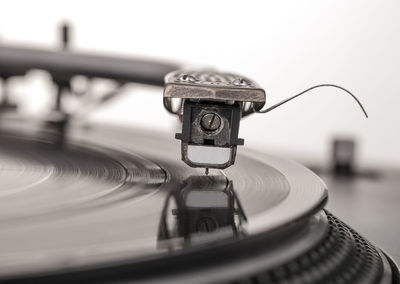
x=100, y=203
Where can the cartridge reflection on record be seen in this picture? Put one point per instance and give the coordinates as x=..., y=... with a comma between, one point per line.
x=202, y=209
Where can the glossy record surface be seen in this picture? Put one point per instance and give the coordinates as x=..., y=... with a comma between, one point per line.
x=109, y=194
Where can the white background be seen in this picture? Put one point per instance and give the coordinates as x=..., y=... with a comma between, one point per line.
x=286, y=46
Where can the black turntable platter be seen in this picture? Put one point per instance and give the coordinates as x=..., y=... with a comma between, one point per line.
x=117, y=205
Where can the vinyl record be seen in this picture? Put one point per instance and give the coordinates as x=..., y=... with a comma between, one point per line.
x=112, y=204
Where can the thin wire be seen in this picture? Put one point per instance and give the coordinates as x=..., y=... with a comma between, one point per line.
x=307, y=90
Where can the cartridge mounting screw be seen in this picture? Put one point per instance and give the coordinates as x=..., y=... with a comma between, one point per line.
x=210, y=121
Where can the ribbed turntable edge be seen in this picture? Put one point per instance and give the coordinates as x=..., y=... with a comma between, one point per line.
x=343, y=256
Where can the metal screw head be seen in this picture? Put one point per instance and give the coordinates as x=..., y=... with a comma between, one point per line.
x=187, y=78
x=210, y=121
x=240, y=82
